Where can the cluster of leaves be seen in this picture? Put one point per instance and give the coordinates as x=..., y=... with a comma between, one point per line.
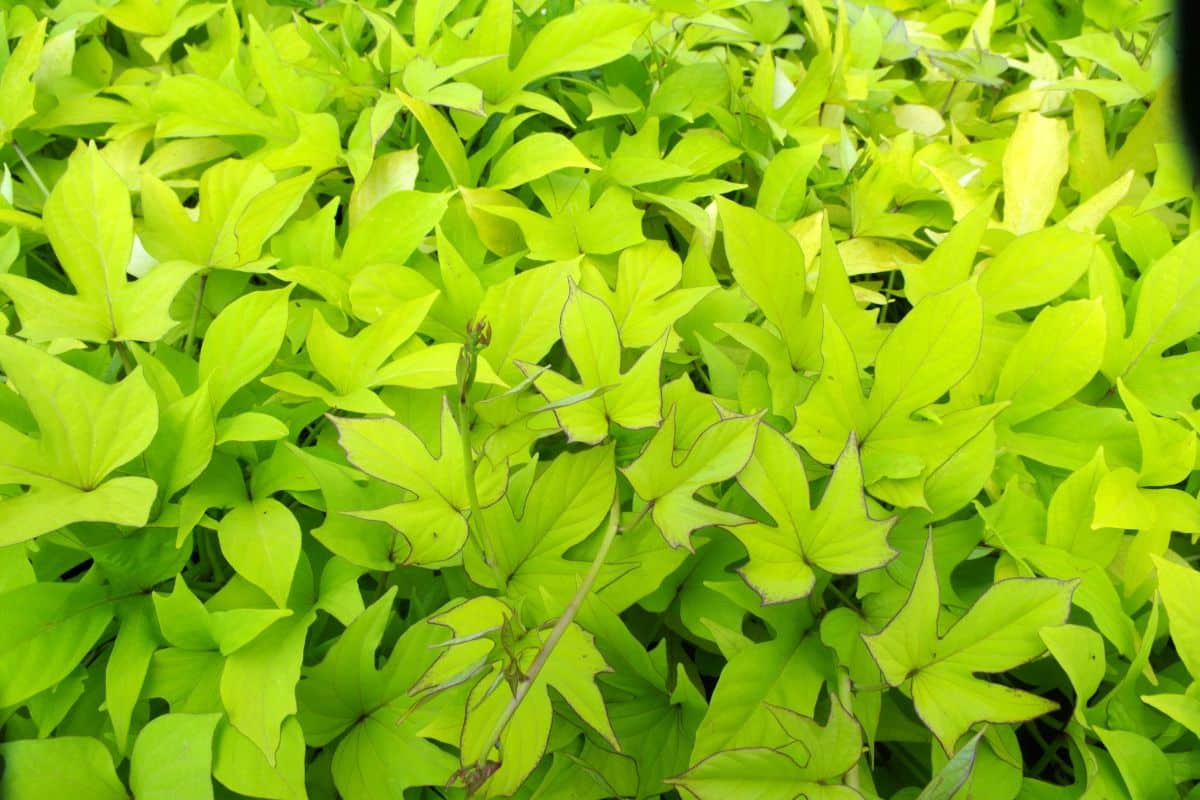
x=550, y=399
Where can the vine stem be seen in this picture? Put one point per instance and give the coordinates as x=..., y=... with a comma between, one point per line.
x=847, y=602
x=845, y=697
x=476, y=524
x=564, y=621
x=949, y=97
x=191, y=333
x=210, y=548
x=478, y=336
x=33, y=172
x=126, y=357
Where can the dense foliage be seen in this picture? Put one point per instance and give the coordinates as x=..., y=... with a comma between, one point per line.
x=551, y=399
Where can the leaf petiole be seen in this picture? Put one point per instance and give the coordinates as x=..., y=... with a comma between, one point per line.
x=560, y=627
x=32, y=172
x=191, y=333
x=478, y=336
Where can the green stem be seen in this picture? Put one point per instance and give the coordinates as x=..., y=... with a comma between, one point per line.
x=919, y=770
x=126, y=357
x=191, y=334
x=871, y=687
x=478, y=335
x=560, y=627
x=847, y=602
x=381, y=582
x=1049, y=754
x=477, y=525
x=32, y=172
x=1145, y=52
x=211, y=552
x=845, y=697
x=949, y=96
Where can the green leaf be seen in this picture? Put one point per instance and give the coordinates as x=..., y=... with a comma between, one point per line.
x=1107, y=53
x=1168, y=311
x=347, y=682
x=67, y=766
x=470, y=621
x=670, y=483
x=443, y=138
x=1080, y=652
x=646, y=302
x=17, y=89
x=1036, y=268
x=1035, y=162
x=954, y=774
x=90, y=225
x=125, y=672
x=690, y=92
x=768, y=266
x=754, y=684
x=830, y=750
x=83, y=437
x=525, y=737
x=535, y=156
x=1180, y=707
x=1121, y=503
x=759, y=773
x=589, y=37
x=1177, y=585
x=391, y=172
x=1146, y=771
x=522, y=311
x=371, y=545
x=575, y=224
x=630, y=398
x=785, y=182
x=184, y=442
x=258, y=684
x=1071, y=510
x=571, y=671
x=87, y=428
x=249, y=427
x=376, y=761
x=928, y=353
x=1168, y=449
x=391, y=231
x=51, y=628
x=354, y=364
x=183, y=619
x=565, y=504
x=952, y=260
x=997, y=634
x=1059, y=353
x=172, y=757
x=120, y=501
x=433, y=367
x=434, y=522
x=351, y=363
x=240, y=765
x=241, y=205
x=838, y=536
x=261, y=540
x=382, y=752
x=196, y=105
x=242, y=342
x=835, y=406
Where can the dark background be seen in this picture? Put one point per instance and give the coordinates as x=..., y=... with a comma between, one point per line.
x=1188, y=15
